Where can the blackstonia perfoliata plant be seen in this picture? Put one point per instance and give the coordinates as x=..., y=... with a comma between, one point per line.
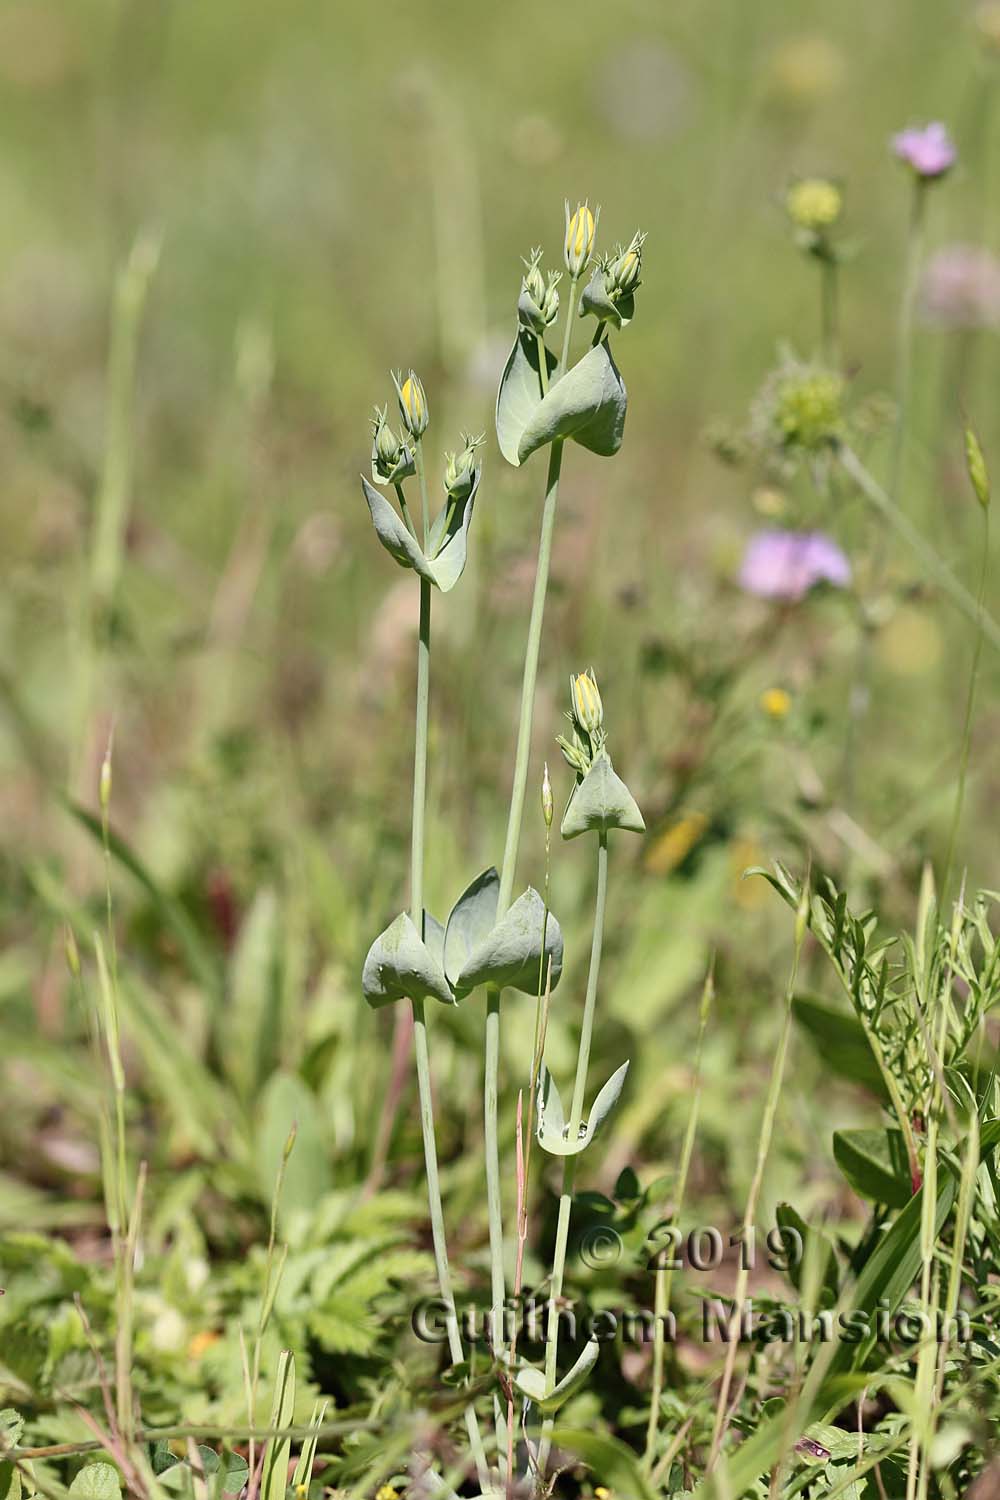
x=490, y=940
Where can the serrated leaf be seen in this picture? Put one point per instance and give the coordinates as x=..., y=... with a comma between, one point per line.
x=510, y=955
x=520, y=393
x=399, y=965
x=551, y=1129
x=586, y=404
x=471, y=921
x=875, y=1164
x=97, y=1482
x=601, y=802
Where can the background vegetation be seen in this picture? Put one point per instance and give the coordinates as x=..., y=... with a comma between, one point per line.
x=309, y=195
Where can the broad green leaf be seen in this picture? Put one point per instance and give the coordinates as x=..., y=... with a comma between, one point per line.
x=286, y=1100
x=601, y=802
x=511, y=953
x=586, y=404
x=393, y=533
x=97, y=1482
x=874, y=1163
x=471, y=921
x=531, y=1382
x=10, y=1482
x=814, y=1244
x=274, y=1475
x=249, y=1030
x=552, y=1131
x=399, y=965
x=841, y=1043
x=520, y=393
x=614, y=1466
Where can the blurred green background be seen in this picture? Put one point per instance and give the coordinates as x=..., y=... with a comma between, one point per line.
x=336, y=191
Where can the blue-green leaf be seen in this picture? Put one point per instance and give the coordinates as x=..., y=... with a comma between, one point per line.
x=511, y=953
x=520, y=393
x=399, y=964
x=601, y=802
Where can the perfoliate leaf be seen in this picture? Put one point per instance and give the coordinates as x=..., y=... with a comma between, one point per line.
x=587, y=404
x=447, y=543
x=595, y=300
x=531, y=1382
x=510, y=955
x=874, y=1163
x=552, y=1130
x=472, y=919
x=601, y=801
x=520, y=393
x=399, y=965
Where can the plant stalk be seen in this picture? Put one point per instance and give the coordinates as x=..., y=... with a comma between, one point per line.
x=569, y=1162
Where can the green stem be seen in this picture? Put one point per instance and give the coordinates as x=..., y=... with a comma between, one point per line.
x=568, y=330
x=405, y=511
x=956, y=817
x=936, y=568
x=498, y=1289
x=830, y=311
x=569, y=1162
x=418, y=460
x=750, y=1214
x=665, y=1272
x=419, y=1021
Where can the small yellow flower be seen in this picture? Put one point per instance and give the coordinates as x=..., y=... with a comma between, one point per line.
x=814, y=203
x=587, y=706
x=385, y=1492
x=768, y=501
x=581, y=226
x=674, y=845
x=201, y=1342
x=602, y=1493
x=776, y=702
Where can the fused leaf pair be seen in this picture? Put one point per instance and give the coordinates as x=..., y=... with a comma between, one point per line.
x=601, y=801
x=586, y=404
x=552, y=1131
x=520, y=951
x=531, y=1382
x=447, y=545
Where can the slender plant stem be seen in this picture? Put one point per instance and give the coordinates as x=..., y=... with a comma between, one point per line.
x=830, y=311
x=569, y=1162
x=664, y=1272
x=405, y=511
x=750, y=1214
x=568, y=330
x=970, y=701
x=419, y=1021
x=935, y=567
x=418, y=461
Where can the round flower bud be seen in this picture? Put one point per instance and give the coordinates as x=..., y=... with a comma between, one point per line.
x=625, y=269
x=814, y=203
x=538, y=304
x=412, y=404
x=581, y=227
x=460, y=468
x=391, y=461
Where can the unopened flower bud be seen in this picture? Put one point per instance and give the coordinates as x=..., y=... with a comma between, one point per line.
x=538, y=304
x=581, y=227
x=104, y=787
x=412, y=404
x=547, y=804
x=624, y=271
x=386, y=447
x=574, y=755
x=976, y=465
x=588, y=710
x=460, y=468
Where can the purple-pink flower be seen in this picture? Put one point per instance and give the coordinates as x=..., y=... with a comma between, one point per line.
x=787, y=564
x=929, y=150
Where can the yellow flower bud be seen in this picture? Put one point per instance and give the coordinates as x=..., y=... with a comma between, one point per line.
x=581, y=226
x=588, y=710
x=814, y=203
x=547, y=805
x=776, y=703
x=412, y=404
